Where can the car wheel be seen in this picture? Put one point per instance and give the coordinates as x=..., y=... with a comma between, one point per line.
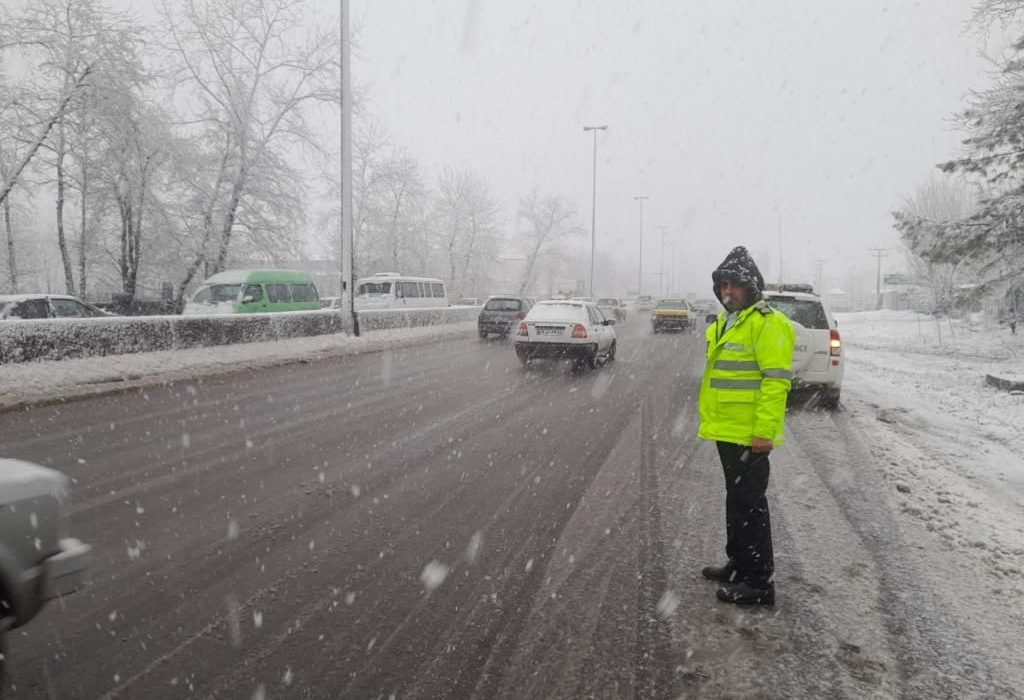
x=830, y=398
x=654, y=328
x=524, y=359
x=611, y=353
x=483, y=335
x=591, y=361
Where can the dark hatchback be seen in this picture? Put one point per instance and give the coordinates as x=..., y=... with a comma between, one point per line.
x=502, y=314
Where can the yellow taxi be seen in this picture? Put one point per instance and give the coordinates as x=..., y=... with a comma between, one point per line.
x=673, y=314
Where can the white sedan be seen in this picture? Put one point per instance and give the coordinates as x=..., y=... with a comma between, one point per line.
x=574, y=330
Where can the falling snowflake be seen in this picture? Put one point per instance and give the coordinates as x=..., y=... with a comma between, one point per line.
x=529, y=565
x=257, y=619
x=434, y=575
x=668, y=604
x=288, y=676
x=232, y=529
x=186, y=440
x=473, y=548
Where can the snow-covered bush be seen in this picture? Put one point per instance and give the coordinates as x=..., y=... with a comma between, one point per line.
x=59, y=339
x=408, y=318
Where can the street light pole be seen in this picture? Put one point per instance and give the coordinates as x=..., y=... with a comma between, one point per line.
x=347, y=252
x=640, y=273
x=593, y=207
x=672, y=268
x=661, y=281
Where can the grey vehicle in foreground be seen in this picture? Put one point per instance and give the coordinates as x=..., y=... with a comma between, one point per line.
x=37, y=564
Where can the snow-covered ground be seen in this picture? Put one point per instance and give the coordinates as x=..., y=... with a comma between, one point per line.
x=952, y=447
x=40, y=381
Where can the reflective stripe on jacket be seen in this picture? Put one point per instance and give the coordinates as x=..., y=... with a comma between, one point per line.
x=747, y=378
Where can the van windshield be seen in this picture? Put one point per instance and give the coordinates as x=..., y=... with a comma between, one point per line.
x=374, y=289
x=217, y=293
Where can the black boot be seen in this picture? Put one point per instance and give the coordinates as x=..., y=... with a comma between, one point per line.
x=722, y=574
x=745, y=594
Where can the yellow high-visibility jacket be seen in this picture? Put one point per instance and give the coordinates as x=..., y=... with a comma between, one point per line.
x=748, y=376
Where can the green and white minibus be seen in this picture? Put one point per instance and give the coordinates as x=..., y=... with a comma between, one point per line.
x=254, y=292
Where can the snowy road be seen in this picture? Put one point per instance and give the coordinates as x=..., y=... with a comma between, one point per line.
x=432, y=522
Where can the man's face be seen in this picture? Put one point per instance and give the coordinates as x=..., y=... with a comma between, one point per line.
x=735, y=297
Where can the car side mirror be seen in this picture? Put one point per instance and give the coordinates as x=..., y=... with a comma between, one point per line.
x=248, y=299
x=835, y=323
x=710, y=318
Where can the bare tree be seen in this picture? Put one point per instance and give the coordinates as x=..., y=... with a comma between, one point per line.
x=250, y=67
x=467, y=221
x=548, y=220
x=922, y=222
x=83, y=51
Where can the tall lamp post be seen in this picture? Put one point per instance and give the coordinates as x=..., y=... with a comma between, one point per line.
x=593, y=207
x=640, y=273
x=661, y=282
x=347, y=252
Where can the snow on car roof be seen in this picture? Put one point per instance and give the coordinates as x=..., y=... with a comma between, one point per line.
x=5, y=298
x=22, y=480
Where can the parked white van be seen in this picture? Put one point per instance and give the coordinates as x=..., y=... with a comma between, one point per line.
x=391, y=290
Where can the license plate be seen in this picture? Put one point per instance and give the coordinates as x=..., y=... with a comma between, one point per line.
x=549, y=331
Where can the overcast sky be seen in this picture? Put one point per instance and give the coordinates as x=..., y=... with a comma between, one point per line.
x=733, y=116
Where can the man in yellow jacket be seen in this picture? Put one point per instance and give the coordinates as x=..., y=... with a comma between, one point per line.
x=743, y=408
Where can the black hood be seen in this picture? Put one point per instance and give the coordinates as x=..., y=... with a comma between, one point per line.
x=739, y=268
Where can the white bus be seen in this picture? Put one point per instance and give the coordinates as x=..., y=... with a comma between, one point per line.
x=391, y=290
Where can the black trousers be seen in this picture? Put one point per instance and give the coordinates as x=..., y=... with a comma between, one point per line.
x=748, y=524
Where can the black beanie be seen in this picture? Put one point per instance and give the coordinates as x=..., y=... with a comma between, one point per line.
x=739, y=268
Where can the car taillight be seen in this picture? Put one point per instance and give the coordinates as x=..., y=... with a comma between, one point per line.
x=520, y=316
x=834, y=343
x=579, y=331
x=523, y=330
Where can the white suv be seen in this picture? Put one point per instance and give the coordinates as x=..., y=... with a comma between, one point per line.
x=817, y=357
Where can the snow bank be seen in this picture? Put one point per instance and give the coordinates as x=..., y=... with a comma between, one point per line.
x=949, y=443
x=60, y=339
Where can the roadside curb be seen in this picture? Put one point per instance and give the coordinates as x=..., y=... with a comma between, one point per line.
x=120, y=385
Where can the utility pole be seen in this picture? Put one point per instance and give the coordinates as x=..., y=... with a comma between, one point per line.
x=778, y=217
x=818, y=265
x=879, y=253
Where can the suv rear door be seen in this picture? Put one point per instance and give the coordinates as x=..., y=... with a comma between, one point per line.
x=811, y=353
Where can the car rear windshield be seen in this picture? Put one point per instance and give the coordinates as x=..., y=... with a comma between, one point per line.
x=557, y=312
x=503, y=305
x=674, y=305
x=809, y=314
